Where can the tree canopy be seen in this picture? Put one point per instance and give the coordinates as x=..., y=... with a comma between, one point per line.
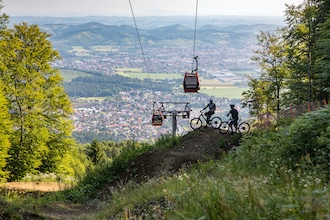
x=294, y=61
x=39, y=106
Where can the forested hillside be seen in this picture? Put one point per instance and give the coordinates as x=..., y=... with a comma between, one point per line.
x=93, y=33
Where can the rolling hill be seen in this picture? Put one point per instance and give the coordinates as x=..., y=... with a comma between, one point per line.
x=94, y=33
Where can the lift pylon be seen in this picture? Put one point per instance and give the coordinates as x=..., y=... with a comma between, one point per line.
x=184, y=113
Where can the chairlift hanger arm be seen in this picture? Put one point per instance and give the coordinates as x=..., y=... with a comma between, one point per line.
x=195, y=70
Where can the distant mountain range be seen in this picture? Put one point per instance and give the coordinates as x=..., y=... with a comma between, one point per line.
x=155, y=30
x=151, y=22
x=96, y=33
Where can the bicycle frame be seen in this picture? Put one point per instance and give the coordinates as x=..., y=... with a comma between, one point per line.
x=242, y=126
x=200, y=121
x=203, y=116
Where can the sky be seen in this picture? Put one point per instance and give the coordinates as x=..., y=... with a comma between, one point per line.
x=64, y=8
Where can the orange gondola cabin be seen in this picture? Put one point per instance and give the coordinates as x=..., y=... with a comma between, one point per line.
x=157, y=118
x=191, y=82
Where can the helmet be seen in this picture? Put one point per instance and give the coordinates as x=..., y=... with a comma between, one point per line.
x=232, y=105
x=211, y=100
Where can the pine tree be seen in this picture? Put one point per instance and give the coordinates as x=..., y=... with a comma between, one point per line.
x=95, y=152
x=39, y=106
x=300, y=33
x=322, y=52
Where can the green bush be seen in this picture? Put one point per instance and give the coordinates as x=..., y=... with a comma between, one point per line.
x=105, y=173
x=308, y=144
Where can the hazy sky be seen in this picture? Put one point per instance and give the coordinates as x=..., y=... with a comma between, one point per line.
x=144, y=7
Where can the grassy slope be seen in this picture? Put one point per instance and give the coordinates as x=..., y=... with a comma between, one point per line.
x=248, y=183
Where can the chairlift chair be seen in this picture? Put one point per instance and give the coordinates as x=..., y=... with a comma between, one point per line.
x=186, y=112
x=157, y=118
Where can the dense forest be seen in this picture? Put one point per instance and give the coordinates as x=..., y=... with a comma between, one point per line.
x=36, y=130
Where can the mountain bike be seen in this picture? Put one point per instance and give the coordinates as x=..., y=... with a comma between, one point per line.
x=242, y=127
x=196, y=123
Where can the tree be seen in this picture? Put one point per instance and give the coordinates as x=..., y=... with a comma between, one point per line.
x=322, y=51
x=5, y=130
x=39, y=106
x=4, y=18
x=299, y=34
x=5, y=123
x=95, y=152
x=271, y=58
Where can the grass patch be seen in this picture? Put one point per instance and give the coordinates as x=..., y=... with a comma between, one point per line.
x=137, y=73
x=217, y=191
x=228, y=92
x=243, y=73
x=104, y=48
x=78, y=49
x=68, y=75
x=214, y=82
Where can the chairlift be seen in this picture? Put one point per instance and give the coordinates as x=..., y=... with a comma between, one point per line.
x=191, y=81
x=157, y=116
x=186, y=111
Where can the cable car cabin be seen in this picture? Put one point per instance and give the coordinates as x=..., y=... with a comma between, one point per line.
x=191, y=82
x=157, y=118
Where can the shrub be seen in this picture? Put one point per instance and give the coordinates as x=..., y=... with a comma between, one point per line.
x=308, y=144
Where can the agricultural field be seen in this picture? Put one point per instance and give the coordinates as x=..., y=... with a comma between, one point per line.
x=231, y=92
x=68, y=75
x=137, y=73
x=105, y=48
x=81, y=51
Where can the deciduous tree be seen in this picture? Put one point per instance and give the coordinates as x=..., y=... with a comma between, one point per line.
x=39, y=106
x=265, y=92
x=5, y=131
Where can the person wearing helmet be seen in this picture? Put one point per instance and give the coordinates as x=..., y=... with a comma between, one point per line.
x=212, y=107
x=234, y=116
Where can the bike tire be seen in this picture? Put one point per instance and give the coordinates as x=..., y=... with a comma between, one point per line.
x=243, y=127
x=224, y=127
x=195, y=123
x=215, y=122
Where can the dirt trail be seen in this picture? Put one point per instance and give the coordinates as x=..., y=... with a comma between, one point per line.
x=199, y=145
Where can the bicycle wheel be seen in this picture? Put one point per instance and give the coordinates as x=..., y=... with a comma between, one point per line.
x=224, y=127
x=195, y=123
x=215, y=122
x=243, y=127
